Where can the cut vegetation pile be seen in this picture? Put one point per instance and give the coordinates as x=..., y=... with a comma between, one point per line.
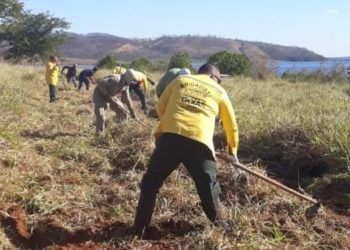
x=61, y=187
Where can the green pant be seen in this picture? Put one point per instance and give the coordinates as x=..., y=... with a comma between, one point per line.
x=53, y=92
x=171, y=150
x=141, y=93
x=101, y=104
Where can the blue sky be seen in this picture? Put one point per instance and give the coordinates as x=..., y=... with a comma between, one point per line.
x=322, y=26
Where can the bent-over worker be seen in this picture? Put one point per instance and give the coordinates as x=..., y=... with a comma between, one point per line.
x=87, y=77
x=187, y=110
x=170, y=75
x=71, y=72
x=106, y=94
x=139, y=84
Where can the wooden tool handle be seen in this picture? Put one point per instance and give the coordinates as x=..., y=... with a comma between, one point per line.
x=229, y=159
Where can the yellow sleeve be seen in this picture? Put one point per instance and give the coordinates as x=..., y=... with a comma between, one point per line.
x=145, y=82
x=163, y=100
x=52, y=66
x=228, y=118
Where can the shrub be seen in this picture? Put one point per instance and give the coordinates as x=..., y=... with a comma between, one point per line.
x=159, y=65
x=179, y=60
x=141, y=64
x=263, y=69
x=232, y=64
x=108, y=62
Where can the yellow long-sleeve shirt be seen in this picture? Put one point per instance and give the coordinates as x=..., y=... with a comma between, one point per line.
x=119, y=70
x=52, y=73
x=189, y=106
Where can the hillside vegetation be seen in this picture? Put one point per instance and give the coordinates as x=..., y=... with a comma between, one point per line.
x=97, y=45
x=61, y=187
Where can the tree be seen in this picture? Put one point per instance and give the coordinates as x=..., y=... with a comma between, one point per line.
x=141, y=64
x=108, y=62
x=232, y=64
x=33, y=37
x=179, y=60
x=10, y=10
x=24, y=35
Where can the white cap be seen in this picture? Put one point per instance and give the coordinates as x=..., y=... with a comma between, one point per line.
x=184, y=71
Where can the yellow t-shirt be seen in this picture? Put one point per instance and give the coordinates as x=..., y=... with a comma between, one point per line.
x=52, y=73
x=189, y=106
x=119, y=70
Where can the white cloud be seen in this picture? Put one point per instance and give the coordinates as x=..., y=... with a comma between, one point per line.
x=332, y=11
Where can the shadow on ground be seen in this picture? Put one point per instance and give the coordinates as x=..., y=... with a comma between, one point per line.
x=40, y=134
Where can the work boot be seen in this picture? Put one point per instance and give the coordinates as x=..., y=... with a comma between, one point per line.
x=144, y=213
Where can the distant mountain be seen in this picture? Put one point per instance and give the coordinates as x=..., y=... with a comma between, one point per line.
x=98, y=45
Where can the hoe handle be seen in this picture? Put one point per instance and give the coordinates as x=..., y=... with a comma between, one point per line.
x=229, y=159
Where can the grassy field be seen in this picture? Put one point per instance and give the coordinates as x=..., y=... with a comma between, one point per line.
x=61, y=187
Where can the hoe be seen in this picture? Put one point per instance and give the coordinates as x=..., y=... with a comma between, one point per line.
x=309, y=213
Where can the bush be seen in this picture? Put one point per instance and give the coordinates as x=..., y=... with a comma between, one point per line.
x=232, y=64
x=263, y=69
x=108, y=62
x=160, y=66
x=179, y=60
x=141, y=64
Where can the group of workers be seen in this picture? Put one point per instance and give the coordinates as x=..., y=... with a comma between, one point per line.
x=187, y=108
x=53, y=73
x=135, y=80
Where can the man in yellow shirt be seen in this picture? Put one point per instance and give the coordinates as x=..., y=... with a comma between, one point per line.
x=138, y=83
x=52, y=73
x=119, y=70
x=187, y=110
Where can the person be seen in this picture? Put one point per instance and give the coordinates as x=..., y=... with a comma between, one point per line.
x=87, y=77
x=138, y=83
x=170, y=75
x=52, y=74
x=71, y=72
x=106, y=94
x=187, y=110
x=119, y=70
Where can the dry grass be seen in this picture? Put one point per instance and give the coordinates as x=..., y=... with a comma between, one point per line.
x=66, y=187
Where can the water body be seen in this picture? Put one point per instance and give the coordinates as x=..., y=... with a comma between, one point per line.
x=285, y=66
x=279, y=67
